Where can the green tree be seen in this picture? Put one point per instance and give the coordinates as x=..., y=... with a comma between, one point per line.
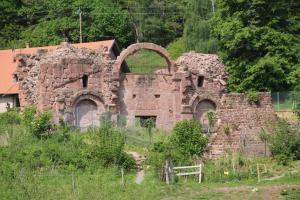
x=156, y=21
x=259, y=43
x=188, y=138
x=59, y=21
x=11, y=23
x=197, y=31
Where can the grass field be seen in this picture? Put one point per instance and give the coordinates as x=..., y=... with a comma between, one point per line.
x=106, y=184
x=145, y=61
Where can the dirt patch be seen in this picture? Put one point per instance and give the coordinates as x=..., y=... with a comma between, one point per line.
x=139, y=159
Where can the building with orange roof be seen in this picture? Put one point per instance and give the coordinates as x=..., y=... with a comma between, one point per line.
x=9, y=88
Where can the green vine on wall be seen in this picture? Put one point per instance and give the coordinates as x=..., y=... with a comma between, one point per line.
x=253, y=97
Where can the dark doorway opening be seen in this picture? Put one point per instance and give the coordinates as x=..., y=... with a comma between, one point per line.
x=145, y=120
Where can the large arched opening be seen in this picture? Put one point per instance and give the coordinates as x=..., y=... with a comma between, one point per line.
x=159, y=58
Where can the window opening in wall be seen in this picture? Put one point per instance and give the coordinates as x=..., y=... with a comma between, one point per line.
x=142, y=120
x=200, y=81
x=85, y=81
x=16, y=101
x=15, y=78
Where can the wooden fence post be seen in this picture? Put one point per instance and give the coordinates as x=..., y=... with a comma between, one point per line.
x=73, y=183
x=122, y=176
x=258, y=175
x=167, y=172
x=200, y=174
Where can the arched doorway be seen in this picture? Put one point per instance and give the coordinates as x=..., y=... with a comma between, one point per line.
x=201, y=113
x=86, y=114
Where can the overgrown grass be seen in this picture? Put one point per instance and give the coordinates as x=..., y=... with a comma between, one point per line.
x=106, y=184
x=73, y=165
x=145, y=61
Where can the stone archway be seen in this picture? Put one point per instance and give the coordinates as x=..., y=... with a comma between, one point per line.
x=150, y=46
x=86, y=114
x=201, y=110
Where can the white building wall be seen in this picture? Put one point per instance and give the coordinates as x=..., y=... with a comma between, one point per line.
x=11, y=99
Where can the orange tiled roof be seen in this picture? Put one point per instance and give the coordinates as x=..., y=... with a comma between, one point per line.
x=8, y=65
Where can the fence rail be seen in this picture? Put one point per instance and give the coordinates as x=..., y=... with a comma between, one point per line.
x=199, y=172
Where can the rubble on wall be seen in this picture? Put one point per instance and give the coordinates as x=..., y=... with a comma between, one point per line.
x=208, y=65
x=50, y=74
x=54, y=80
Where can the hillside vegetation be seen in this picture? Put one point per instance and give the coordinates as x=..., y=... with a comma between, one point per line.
x=258, y=40
x=40, y=160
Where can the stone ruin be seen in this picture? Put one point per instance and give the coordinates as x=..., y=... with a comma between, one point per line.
x=81, y=84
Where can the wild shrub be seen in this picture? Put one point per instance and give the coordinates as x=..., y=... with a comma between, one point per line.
x=11, y=117
x=176, y=48
x=186, y=143
x=188, y=138
x=149, y=125
x=107, y=145
x=296, y=99
x=41, y=126
x=28, y=115
x=76, y=152
x=253, y=97
x=284, y=143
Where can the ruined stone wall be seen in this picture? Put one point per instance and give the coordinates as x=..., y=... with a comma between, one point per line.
x=187, y=89
x=240, y=123
x=149, y=95
x=54, y=80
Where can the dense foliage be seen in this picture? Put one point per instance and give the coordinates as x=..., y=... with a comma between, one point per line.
x=296, y=99
x=182, y=147
x=63, y=149
x=258, y=40
x=284, y=143
x=259, y=43
x=51, y=22
x=197, y=31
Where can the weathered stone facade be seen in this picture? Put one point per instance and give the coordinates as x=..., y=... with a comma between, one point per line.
x=80, y=84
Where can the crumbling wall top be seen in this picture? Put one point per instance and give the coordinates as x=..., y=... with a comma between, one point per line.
x=208, y=65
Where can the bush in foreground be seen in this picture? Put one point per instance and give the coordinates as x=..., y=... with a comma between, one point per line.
x=284, y=143
x=45, y=145
x=183, y=146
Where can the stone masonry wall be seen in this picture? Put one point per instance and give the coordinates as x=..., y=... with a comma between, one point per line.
x=240, y=123
x=149, y=95
x=54, y=81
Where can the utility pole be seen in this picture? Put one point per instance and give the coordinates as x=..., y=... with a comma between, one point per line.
x=213, y=6
x=80, y=25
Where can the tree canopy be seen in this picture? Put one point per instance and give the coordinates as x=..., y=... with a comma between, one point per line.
x=258, y=40
x=259, y=43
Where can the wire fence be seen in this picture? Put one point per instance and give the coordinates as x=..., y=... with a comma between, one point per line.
x=285, y=101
